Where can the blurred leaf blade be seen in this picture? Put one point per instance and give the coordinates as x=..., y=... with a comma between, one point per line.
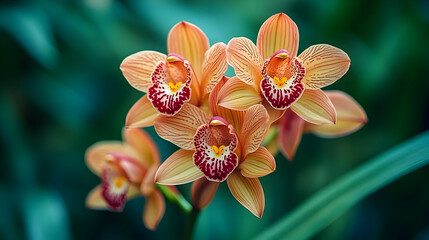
x=329, y=203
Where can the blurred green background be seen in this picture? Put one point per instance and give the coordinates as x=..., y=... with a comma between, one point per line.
x=62, y=90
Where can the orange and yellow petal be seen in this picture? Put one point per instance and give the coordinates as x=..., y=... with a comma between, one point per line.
x=95, y=199
x=315, y=107
x=278, y=32
x=290, y=132
x=171, y=86
x=141, y=114
x=133, y=168
x=141, y=142
x=148, y=184
x=248, y=192
x=190, y=42
x=255, y=125
x=350, y=117
x=96, y=155
x=258, y=164
x=281, y=84
x=237, y=95
x=202, y=192
x=137, y=68
x=153, y=210
x=214, y=67
x=244, y=57
x=324, y=65
x=181, y=128
x=179, y=168
x=215, y=144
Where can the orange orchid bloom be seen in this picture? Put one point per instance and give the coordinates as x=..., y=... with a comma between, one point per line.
x=271, y=73
x=126, y=170
x=218, y=147
x=350, y=118
x=187, y=74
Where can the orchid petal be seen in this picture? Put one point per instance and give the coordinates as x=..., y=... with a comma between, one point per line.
x=142, y=143
x=189, y=41
x=179, y=168
x=153, y=210
x=255, y=124
x=237, y=95
x=95, y=156
x=141, y=114
x=114, y=188
x=137, y=68
x=248, y=192
x=274, y=114
x=148, y=184
x=244, y=57
x=95, y=199
x=181, y=128
x=350, y=117
x=324, y=65
x=214, y=67
x=202, y=192
x=315, y=107
x=278, y=32
x=258, y=164
x=290, y=132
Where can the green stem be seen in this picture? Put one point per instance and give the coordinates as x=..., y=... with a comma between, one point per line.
x=192, y=219
x=270, y=137
x=175, y=198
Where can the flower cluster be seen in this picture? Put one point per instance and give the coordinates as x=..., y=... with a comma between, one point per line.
x=227, y=129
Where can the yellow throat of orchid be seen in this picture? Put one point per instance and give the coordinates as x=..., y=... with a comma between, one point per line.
x=119, y=181
x=218, y=151
x=280, y=82
x=174, y=87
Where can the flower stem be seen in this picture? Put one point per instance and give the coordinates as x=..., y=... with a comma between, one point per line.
x=175, y=198
x=192, y=219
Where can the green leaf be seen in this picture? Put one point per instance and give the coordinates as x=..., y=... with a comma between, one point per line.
x=329, y=203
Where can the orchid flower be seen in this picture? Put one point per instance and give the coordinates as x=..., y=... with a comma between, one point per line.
x=126, y=170
x=350, y=118
x=218, y=147
x=187, y=74
x=271, y=73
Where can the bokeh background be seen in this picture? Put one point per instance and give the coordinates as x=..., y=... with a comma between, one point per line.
x=62, y=90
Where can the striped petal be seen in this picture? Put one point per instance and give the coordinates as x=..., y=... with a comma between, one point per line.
x=274, y=114
x=324, y=64
x=141, y=114
x=171, y=85
x=189, y=41
x=181, y=128
x=96, y=155
x=179, y=168
x=215, y=144
x=137, y=68
x=255, y=124
x=214, y=67
x=258, y=164
x=248, y=192
x=315, y=107
x=290, y=133
x=350, y=117
x=278, y=32
x=153, y=210
x=237, y=95
x=202, y=192
x=244, y=57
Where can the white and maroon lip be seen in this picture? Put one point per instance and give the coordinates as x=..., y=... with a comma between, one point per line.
x=177, y=72
x=280, y=67
x=219, y=134
x=115, y=186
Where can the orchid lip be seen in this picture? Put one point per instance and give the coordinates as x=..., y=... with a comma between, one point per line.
x=173, y=57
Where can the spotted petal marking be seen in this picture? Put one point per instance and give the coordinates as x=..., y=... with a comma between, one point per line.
x=216, y=163
x=167, y=97
x=281, y=92
x=114, y=188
